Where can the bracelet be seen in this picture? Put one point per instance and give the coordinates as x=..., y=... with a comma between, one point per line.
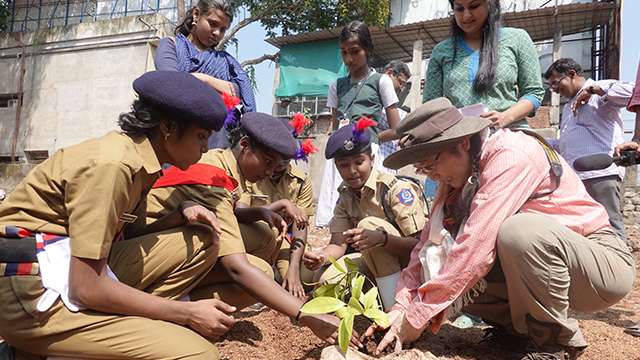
x=386, y=237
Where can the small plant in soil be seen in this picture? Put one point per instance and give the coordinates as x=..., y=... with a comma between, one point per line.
x=345, y=298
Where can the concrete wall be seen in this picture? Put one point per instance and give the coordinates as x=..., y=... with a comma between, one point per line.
x=77, y=79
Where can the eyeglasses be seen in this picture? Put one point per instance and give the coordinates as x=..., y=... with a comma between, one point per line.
x=425, y=169
x=554, y=84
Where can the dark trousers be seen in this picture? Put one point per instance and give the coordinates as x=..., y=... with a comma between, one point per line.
x=607, y=190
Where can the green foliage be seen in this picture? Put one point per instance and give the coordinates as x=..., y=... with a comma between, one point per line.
x=286, y=17
x=5, y=15
x=344, y=298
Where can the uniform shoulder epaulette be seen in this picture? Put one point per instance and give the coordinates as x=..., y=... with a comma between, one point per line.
x=298, y=173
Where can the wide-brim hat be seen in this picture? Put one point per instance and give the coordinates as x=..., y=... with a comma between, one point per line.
x=431, y=128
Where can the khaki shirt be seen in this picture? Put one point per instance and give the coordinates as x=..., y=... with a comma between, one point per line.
x=219, y=200
x=88, y=192
x=403, y=198
x=294, y=185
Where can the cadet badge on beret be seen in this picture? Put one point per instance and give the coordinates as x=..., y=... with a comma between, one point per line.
x=406, y=197
x=348, y=145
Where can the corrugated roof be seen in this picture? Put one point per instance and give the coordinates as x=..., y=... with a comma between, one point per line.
x=397, y=42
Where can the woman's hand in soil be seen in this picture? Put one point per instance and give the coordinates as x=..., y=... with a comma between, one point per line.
x=292, y=283
x=362, y=239
x=373, y=328
x=325, y=327
x=402, y=332
x=210, y=318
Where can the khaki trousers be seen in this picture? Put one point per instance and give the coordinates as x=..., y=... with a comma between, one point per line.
x=262, y=249
x=544, y=269
x=380, y=262
x=166, y=264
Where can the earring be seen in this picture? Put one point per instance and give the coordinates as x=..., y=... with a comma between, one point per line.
x=166, y=136
x=194, y=22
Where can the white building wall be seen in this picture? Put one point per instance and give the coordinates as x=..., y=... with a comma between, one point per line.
x=78, y=79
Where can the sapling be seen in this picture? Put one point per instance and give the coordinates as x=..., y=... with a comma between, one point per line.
x=344, y=297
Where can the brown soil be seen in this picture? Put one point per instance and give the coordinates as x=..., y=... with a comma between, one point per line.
x=268, y=335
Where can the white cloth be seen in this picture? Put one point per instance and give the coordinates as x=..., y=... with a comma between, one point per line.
x=596, y=127
x=54, y=261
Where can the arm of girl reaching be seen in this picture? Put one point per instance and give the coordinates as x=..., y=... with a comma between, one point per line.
x=243, y=83
x=509, y=178
x=92, y=230
x=389, y=100
x=268, y=292
x=434, y=79
x=292, y=281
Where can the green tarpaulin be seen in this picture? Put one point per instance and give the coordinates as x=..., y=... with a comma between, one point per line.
x=307, y=69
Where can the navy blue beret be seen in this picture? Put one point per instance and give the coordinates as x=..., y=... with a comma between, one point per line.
x=182, y=97
x=346, y=142
x=270, y=132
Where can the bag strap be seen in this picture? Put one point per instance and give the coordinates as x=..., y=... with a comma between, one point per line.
x=555, y=165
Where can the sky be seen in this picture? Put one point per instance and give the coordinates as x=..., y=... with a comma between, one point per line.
x=251, y=45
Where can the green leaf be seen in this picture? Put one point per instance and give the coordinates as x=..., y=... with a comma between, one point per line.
x=345, y=331
x=351, y=265
x=325, y=290
x=370, y=299
x=378, y=316
x=336, y=265
x=322, y=305
x=341, y=313
x=356, y=286
x=355, y=305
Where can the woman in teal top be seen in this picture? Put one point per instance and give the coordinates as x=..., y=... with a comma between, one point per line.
x=484, y=63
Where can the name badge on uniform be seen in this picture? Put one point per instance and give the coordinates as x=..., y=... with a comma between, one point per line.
x=128, y=218
x=406, y=197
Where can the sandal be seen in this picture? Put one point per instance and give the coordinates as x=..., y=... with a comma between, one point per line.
x=633, y=330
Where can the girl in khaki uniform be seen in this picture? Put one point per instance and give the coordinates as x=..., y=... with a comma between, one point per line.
x=260, y=142
x=383, y=237
x=109, y=289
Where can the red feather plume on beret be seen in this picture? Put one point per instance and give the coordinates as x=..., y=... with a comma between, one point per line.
x=298, y=123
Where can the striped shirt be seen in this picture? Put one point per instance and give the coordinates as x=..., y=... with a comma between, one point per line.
x=513, y=168
x=596, y=127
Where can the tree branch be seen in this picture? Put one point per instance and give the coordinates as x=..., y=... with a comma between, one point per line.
x=232, y=32
x=258, y=60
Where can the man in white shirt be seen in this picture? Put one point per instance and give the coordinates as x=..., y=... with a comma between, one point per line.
x=591, y=123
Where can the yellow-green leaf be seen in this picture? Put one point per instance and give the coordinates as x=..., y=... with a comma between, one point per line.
x=378, y=316
x=351, y=265
x=345, y=330
x=341, y=313
x=370, y=299
x=322, y=305
x=356, y=286
x=325, y=290
x=355, y=305
x=336, y=265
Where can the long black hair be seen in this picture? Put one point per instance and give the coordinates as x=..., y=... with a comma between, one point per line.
x=144, y=119
x=486, y=76
x=359, y=30
x=204, y=6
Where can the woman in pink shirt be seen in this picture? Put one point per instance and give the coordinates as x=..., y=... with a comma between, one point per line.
x=513, y=238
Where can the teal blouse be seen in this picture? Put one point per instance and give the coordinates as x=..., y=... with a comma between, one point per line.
x=518, y=74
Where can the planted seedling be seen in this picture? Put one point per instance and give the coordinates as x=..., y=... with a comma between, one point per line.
x=344, y=297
